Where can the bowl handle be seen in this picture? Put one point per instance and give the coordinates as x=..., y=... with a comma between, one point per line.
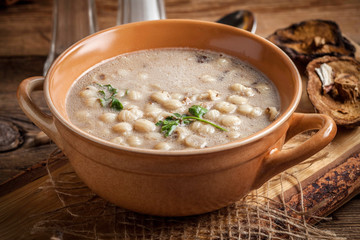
x=280, y=160
x=44, y=121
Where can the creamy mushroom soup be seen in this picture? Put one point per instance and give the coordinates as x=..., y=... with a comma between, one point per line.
x=172, y=99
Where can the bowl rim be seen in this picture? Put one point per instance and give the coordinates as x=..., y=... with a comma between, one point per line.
x=217, y=148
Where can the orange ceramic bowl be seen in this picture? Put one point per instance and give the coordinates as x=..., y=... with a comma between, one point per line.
x=176, y=183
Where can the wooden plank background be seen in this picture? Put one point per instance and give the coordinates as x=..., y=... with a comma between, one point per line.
x=25, y=33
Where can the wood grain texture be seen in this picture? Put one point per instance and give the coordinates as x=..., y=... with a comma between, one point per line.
x=29, y=152
x=334, y=187
x=26, y=26
x=345, y=221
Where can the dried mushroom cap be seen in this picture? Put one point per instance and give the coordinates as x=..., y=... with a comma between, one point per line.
x=311, y=39
x=334, y=88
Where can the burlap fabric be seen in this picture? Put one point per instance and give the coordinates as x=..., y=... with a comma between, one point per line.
x=85, y=215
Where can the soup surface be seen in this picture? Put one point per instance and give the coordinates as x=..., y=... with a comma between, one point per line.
x=172, y=99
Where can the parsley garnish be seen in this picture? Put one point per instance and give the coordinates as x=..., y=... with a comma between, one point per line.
x=169, y=124
x=197, y=111
x=108, y=98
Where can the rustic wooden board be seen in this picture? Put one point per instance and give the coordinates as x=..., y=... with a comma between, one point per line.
x=340, y=156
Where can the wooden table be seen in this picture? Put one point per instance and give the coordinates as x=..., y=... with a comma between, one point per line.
x=25, y=33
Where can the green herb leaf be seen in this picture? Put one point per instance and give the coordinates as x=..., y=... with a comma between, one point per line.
x=159, y=123
x=111, y=89
x=168, y=126
x=170, y=123
x=116, y=104
x=108, y=94
x=197, y=111
x=206, y=121
x=102, y=93
x=186, y=122
x=178, y=115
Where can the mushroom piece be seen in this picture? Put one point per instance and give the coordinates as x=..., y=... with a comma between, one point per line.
x=334, y=88
x=311, y=39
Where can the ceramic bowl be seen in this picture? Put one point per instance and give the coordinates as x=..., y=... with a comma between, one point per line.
x=176, y=183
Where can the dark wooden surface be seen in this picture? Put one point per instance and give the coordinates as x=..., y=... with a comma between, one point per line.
x=25, y=33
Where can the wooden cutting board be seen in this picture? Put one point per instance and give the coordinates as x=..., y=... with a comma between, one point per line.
x=327, y=180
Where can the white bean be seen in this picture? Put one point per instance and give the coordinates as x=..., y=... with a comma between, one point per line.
x=92, y=102
x=230, y=120
x=256, y=112
x=162, y=146
x=172, y=104
x=134, y=95
x=89, y=91
x=195, y=141
x=234, y=135
x=262, y=87
x=151, y=110
x=234, y=128
x=249, y=110
x=137, y=112
x=108, y=117
x=246, y=91
x=122, y=127
x=272, y=112
x=126, y=116
x=160, y=97
x=195, y=126
x=130, y=106
x=206, y=129
x=225, y=107
x=209, y=95
x=238, y=100
x=182, y=133
x=213, y=95
x=202, y=128
x=153, y=136
x=134, y=141
x=212, y=114
x=144, y=125
x=245, y=109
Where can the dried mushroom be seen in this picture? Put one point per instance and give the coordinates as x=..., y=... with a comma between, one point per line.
x=311, y=39
x=334, y=88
